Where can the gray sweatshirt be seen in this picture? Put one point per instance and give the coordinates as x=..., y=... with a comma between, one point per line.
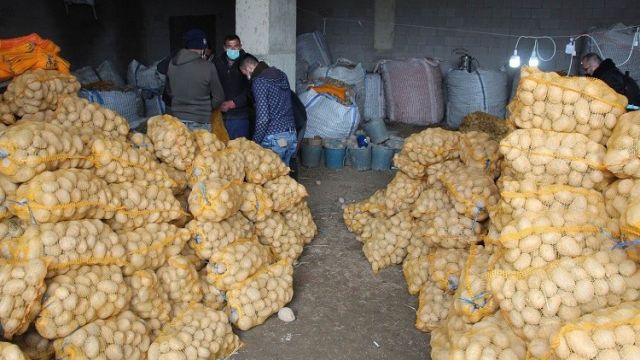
x=194, y=87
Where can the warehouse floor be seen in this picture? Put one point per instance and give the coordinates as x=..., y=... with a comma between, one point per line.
x=343, y=309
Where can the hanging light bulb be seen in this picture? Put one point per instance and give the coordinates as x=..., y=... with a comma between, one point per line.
x=533, y=60
x=514, y=61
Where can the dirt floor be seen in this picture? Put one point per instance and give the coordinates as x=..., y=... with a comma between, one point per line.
x=343, y=309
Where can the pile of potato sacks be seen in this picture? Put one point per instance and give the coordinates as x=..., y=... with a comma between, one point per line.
x=120, y=245
x=526, y=249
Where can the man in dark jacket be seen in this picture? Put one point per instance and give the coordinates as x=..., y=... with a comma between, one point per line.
x=193, y=84
x=606, y=70
x=275, y=122
x=235, y=108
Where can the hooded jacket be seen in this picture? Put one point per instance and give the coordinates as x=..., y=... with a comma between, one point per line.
x=272, y=96
x=194, y=87
x=612, y=76
x=235, y=84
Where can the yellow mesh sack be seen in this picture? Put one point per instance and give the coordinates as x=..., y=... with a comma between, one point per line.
x=172, y=141
x=389, y=241
x=125, y=336
x=434, y=171
x=149, y=302
x=212, y=297
x=432, y=200
x=217, y=126
x=439, y=343
x=478, y=150
x=618, y=195
x=537, y=301
x=356, y=216
x=431, y=146
x=22, y=287
x=193, y=258
x=179, y=178
x=11, y=351
x=10, y=229
x=252, y=301
x=472, y=192
x=218, y=341
x=30, y=148
x=257, y=204
x=300, y=220
x=416, y=272
x=445, y=267
x=150, y=246
x=142, y=142
x=34, y=346
x=418, y=245
x=449, y=230
x=209, y=237
x=227, y=164
x=7, y=195
x=622, y=156
x=38, y=90
x=409, y=167
x=583, y=105
x=433, y=308
x=282, y=239
x=609, y=333
x=399, y=195
x=260, y=164
x=285, y=192
x=179, y=280
x=236, y=262
x=81, y=296
x=555, y=158
x=207, y=141
x=215, y=200
x=473, y=300
x=141, y=205
x=74, y=112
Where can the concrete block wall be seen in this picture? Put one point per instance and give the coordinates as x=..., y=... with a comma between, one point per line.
x=350, y=39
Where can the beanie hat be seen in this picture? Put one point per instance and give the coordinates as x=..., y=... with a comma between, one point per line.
x=195, y=39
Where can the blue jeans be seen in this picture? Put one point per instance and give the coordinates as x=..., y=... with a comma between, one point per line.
x=284, y=144
x=237, y=128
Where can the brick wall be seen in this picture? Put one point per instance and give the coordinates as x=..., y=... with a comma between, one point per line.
x=523, y=17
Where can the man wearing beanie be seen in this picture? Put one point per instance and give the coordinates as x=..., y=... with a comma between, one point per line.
x=193, y=83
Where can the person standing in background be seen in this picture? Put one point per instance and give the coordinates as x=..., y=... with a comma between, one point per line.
x=607, y=71
x=235, y=108
x=193, y=84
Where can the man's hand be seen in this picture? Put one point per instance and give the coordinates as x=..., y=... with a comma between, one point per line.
x=227, y=105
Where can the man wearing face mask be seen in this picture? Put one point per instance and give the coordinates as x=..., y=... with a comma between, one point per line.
x=235, y=108
x=192, y=83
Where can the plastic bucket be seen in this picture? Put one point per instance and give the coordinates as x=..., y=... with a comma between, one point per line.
x=381, y=157
x=311, y=151
x=334, y=153
x=395, y=143
x=376, y=130
x=360, y=158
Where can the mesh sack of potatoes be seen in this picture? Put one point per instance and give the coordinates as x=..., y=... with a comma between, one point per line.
x=283, y=240
x=179, y=178
x=172, y=141
x=7, y=196
x=149, y=302
x=251, y=302
x=22, y=287
x=142, y=142
x=9, y=351
x=260, y=164
x=471, y=191
x=300, y=220
x=215, y=200
x=478, y=150
x=191, y=256
x=120, y=337
x=236, y=262
x=34, y=345
x=580, y=105
x=536, y=239
x=30, y=148
x=610, y=333
x=417, y=245
x=81, y=296
x=448, y=229
x=150, y=246
x=6, y=115
x=445, y=267
x=206, y=141
x=227, y=164
x=197, y=333
x=68, y=194
x=81, y=113
x=141, y=205
x=10, y=230
x=473, y=300
x=410, y=167
x=555, y=158
x=209, y=237
x=212, y=297
x=479, y=121
x=432, y=146
x=434, y=171
x=38, y=90
x=622, y=157
x=439, y=343
x=179, y=280
x=257, y=204
x=399, y=194
x=536, y=302
x=285, y=192
x=432, y=200
x=416, y=272
x=116, y=161
x=356, y=216
x=389, y=241
x=618, y=195
x=433, y=307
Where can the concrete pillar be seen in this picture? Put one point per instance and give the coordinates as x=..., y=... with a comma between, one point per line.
x=384, y=17
x=268, y=31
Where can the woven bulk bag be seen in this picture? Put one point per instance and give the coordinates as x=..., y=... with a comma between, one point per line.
x=374, y=102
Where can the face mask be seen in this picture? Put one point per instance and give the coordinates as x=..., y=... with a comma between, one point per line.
x=233, y=54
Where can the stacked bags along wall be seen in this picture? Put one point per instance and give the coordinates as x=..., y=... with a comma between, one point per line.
x=130, y=246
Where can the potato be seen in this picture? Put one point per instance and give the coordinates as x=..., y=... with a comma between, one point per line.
x=431, y=146
x=399, y=195
x=257, y=204
x=357, y=216
x=215, y=200
x=149, y=302
x=212, y=297
x=619, y=194
x=74, y=112
x=236, y=262
x=260, y=164
x=416, y=272
x=445, y=267
x=473, y=300
x=284, y=241
x=472, y=192
x=38, y=90
x=10, y=351
x=448, y=229
x=142, y=142
x=7, y=195
x=433, y=308
x=285, y=192
x=300, y=220
x=389, y=240
x=208, y=238
x=227, y=164
x=150, y=246
x=179, y=280
x=207, y=141
x=142, y=205
x=478, y=150
x=622, y=158
x=172, y=141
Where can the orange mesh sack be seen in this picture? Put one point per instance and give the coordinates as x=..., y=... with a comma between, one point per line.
x=236, y=262
x=150, y=246
x=473, y=300
x=300, y=220
x=257, y=204
x=251, y=302
x=81, y=113
x=283, y=240
x=120, y=337
x=445, y=267
x=448, y=229
x=172, y=141
x=480, y=151
x=260, y=164
x=389, y=241
x=142, y=205
x=197, y=333
x=7, y=195
x=285, y=192
x=215, y=200
x=81, y=296
x=30, y=148
x=208, y=238
x=536, y=302
x=433, y=307
x=416, y=272
x=609, y=333
x=11, y=351
x=536, y=239
x=22, y=287
x=207, y=141
x=227, y=164
x=623, y=158
x=149, y=302
x=179, y=280
x=548, y=101
x=69, y=194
